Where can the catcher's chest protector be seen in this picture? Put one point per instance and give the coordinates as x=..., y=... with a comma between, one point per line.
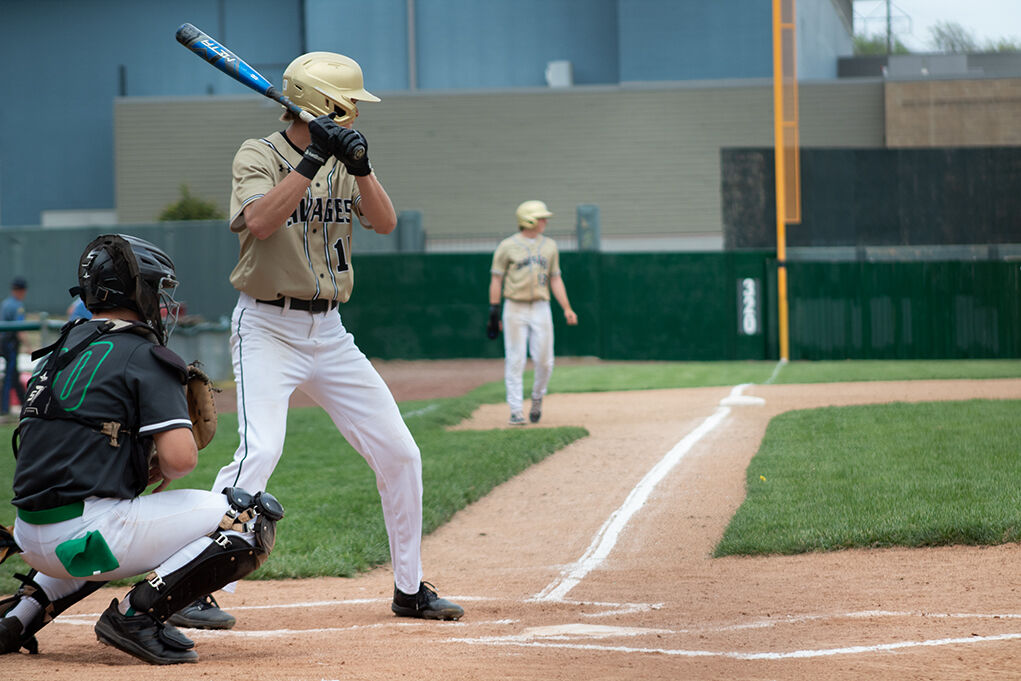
x=43, y=403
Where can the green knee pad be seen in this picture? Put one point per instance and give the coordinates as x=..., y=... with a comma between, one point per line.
x=86, y=556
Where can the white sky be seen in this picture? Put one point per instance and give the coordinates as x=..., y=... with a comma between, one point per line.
x=986, y=20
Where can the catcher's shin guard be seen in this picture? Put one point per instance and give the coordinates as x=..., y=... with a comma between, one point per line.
x=13, y=638
x=227, y=559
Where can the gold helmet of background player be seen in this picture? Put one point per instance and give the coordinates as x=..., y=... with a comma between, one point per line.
x=325, y=82
x=529, y=212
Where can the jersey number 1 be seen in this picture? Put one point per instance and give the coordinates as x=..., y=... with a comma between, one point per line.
x=338, y=246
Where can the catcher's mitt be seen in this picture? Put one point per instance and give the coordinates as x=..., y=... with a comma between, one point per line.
x=201, y=405
x=8, y=547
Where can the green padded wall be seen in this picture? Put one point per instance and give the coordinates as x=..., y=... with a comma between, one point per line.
x=904, y=310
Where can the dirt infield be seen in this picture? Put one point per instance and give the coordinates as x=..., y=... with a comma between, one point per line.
x=595, y=564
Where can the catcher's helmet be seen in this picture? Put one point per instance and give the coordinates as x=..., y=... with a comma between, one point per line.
x=119, y=270
x=529, y=212
x=326, y=83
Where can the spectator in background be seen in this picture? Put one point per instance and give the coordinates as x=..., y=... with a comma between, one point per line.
x=12, y=310
x=77, y=310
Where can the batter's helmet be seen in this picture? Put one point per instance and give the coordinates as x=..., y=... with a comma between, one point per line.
x=119, y=270
x=529, y=212
x=325, y=83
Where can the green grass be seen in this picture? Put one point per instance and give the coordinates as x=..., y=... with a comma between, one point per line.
x=926, y=474
x=897, y=370
x=597, y=377
x=334, y=525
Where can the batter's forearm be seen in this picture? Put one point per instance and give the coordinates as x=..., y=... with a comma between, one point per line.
x=376, y=205
x=268, y=214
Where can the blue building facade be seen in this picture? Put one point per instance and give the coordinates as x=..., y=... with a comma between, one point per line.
x=68, y=65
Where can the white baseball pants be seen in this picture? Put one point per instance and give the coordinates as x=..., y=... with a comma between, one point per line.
x=276, y=351
x=527, y=328
x=160, y=532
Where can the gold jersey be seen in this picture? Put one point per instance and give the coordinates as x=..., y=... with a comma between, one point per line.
x=308, y=257
x=527, y=266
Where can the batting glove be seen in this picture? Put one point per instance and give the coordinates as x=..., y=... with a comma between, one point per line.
x=321, y=131
x=352, y=149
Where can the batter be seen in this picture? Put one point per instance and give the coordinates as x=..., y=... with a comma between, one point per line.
x=526, y=267
x=294, y=198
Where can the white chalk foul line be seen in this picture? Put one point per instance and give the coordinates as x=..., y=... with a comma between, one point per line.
x=607, y=536
x=776, y=371
x=420, y=412
x=794, y=654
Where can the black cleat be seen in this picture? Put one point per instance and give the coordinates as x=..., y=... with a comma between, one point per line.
x=12, y=638
x=536, y=412
x=205, y=613
x=425, y=604
x=144, y=637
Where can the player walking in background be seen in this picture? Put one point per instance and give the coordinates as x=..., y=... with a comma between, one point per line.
x=294, y=198
x=526, y=267
x=107, y=417
x=12, y=310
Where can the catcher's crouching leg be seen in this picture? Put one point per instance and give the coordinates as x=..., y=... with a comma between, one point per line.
x=229, y=557
x=13, y=634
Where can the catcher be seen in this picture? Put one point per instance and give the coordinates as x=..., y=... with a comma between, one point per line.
x=106, y=417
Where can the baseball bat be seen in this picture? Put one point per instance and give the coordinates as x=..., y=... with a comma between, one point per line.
x=234, y=66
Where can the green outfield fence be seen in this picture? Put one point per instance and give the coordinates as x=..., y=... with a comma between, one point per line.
x=631, y=306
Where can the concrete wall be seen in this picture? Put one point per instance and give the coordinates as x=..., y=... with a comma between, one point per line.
x=649, y=157
x=953, y=113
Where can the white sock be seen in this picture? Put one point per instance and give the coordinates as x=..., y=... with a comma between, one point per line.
x=26, y=610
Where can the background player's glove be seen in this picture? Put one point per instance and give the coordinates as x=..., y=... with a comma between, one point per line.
x=201, y=405
x=351, y=148
x=322, y=131
x=8, y=547
x=493, y=328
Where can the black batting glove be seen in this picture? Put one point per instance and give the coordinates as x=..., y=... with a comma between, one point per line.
x=322, y=130
x=493, y=328
x=352, y=149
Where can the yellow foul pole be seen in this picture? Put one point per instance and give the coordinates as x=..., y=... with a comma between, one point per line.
x=785, y=150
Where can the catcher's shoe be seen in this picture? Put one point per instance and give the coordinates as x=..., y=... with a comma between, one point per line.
x=205, y=613
x=12, y=637
x=12, y=631
x=516, y=419
x=426, y=604
x=144, y=637
x=536, y=412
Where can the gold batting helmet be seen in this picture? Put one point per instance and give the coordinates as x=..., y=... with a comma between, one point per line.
x=529, y=212
x=325, y=83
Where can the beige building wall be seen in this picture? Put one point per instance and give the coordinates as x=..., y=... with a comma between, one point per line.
x=647, y=156
x=954, y=113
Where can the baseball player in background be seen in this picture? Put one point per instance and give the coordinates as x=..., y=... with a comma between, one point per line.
x=106, y=417
x=12, y=309
x=526, y=267
x=295, y=196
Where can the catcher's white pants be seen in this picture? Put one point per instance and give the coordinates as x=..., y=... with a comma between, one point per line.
x=527, y=327
x=160, y=532
x=275, y=351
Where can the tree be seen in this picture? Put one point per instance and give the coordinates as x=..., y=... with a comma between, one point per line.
x=952, y=38
x=1003, y=45
x=876, y=44
x=190, y=207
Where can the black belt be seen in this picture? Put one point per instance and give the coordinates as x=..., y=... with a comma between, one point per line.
x=320, y=305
